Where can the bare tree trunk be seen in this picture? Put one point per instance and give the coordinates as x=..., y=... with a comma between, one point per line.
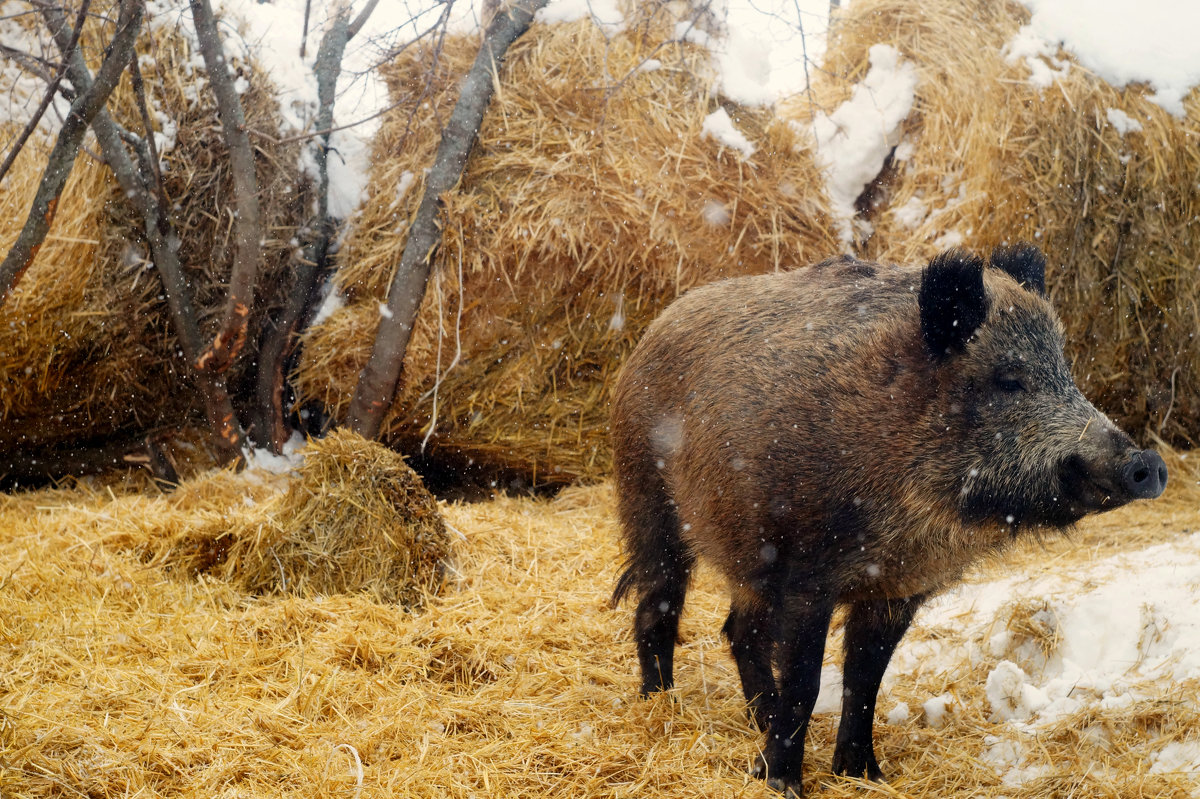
x=379, y=379
x=279, y=343
x=87, y=104
x=231, y=336
x=135, y=182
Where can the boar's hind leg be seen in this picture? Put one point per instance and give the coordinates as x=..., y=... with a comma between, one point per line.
x=802, y=624
x=659, y=568
x=873, y=629
x=749, y=632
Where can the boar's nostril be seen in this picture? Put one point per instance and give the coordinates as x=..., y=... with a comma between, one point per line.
x=1145, y=476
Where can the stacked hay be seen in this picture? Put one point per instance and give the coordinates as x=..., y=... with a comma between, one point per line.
x=989, y=157
x=592, y=199
x=353, y=518
x=87, y=347
x=520, y=680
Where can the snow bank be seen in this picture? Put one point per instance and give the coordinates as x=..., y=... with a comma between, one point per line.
x=1122, y=41
x=1116, y=630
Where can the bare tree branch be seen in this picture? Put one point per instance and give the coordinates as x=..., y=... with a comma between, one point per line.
x=231, y=336
x=66, y=147
x=48, y=98
x=377, y=383
x=28, y=62
x=160, y=235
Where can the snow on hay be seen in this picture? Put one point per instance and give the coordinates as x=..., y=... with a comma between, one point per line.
x=993, y=152
x=87, y=347
x=592, y=198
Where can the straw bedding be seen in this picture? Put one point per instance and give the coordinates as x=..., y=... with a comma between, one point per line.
x=121, y=677
x=591, y=200
x=988, y=157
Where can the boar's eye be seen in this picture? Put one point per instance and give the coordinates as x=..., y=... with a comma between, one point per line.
x=1009, y=383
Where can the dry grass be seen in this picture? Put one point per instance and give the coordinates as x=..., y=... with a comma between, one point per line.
x=121, y=677
x=997, y=159
x=582, y=211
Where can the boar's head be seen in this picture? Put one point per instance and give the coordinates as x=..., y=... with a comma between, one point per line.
x=1025, y=446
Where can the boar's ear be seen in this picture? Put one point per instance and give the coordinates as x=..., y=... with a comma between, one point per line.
x=952, y=301
x=1024, y=262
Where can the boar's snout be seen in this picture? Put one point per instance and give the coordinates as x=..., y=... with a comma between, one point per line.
x=1144, y=476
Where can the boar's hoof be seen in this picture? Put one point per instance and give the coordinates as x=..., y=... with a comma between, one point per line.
x=792, y=789
x=854, y=761
x=788, y=786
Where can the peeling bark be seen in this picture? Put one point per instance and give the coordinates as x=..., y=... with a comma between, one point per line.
x=379, y=379
x=231, y=336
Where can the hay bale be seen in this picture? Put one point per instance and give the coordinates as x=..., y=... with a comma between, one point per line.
x=592, y=199
x=354, y=517
x=989, y=158
x=87, y=348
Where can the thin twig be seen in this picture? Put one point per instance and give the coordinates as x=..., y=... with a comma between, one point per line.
x=66, y=147
x=48, y=97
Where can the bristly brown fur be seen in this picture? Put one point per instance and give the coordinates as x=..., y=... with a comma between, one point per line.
x=850, y=433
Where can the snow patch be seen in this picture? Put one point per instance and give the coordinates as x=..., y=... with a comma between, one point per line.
x=263, y=460
x=333, y=302
x=1122, y=121
x=940, y=710
x=911, y=214
x=854, y=141
x=829, y=700
x=1177, y=757
x=1011, y=695
x=898, y=714
x=604, y=13
x=760, y=51
x=1121, y=41
x=719, y=126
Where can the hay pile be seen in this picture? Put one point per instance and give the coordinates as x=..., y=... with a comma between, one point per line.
x=354, y=517
x=87, y=348
x=118, y=677
x=988, y=158
x=591, y=200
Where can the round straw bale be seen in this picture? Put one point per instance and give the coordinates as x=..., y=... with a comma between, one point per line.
x=593, y=197
x=355, y=517
x=988, y=157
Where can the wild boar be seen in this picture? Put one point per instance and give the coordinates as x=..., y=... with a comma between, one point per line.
x=854, y=434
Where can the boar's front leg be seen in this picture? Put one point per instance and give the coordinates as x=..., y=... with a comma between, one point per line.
x=873, y=629
x=802, y=625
